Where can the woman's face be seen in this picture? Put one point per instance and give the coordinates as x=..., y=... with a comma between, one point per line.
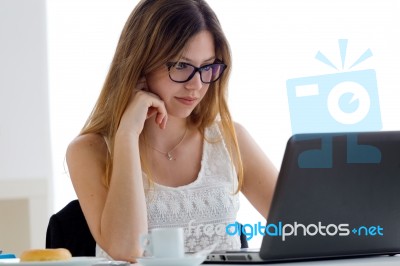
x=181, y=98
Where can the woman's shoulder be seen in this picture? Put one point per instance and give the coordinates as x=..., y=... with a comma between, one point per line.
x=85, y=146
x=239, y=128
x=242, y=135
x=240, y=131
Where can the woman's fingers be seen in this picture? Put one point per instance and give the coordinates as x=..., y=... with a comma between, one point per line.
x=161, y=120
x=144, y=105
x=151, y=111
x=161, y=116
x=157, y=108
x=164, y=122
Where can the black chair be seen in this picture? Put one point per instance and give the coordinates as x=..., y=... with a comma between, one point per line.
x=243, y=241
x=68, y=229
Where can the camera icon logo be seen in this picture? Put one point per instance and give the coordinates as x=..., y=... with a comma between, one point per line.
x=338, y=102
x=341, y=102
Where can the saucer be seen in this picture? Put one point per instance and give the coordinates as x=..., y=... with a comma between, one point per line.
x=187, y=260
x=74, y=261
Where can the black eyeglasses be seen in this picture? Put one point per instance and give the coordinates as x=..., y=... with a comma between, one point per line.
x=182, y=72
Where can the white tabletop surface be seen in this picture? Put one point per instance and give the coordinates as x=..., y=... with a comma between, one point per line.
x=369, y=261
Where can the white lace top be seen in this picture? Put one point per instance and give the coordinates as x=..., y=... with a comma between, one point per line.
x=204, y=207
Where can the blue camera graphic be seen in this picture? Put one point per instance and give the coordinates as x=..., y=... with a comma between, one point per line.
x=339, y=102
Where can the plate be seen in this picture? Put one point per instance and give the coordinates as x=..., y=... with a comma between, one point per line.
x=75, y=261
x=188, y=260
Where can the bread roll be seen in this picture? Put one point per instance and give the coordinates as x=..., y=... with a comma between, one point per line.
x=45, y=254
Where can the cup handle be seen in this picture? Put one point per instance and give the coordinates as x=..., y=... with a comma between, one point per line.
x=146, y=244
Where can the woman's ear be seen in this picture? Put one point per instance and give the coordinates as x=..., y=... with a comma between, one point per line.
x=142, y=84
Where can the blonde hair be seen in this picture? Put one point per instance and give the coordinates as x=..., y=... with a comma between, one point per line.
x=156, y=32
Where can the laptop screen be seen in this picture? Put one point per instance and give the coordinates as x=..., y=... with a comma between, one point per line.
x=337, y=195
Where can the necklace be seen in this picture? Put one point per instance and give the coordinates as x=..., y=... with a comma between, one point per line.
x=168, y=153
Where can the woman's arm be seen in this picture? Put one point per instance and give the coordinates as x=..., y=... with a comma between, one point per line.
x=116, y=215
x=260, y=174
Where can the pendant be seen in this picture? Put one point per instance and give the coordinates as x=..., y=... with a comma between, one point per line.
x=170, y=157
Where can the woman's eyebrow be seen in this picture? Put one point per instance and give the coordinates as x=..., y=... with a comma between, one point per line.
x=190, y=61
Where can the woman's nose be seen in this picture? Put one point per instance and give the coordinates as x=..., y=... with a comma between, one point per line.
x=195, y=82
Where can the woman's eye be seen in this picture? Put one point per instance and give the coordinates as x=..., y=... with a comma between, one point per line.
x=180, y=65
x=206, y=68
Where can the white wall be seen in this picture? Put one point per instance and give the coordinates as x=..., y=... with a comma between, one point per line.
x=25, y=157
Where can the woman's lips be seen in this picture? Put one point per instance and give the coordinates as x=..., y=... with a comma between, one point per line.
x=187, y=100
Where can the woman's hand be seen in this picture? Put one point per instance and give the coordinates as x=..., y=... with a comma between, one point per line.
x=143, y=105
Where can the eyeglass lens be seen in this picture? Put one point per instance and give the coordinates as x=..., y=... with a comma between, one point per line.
x=182, y=72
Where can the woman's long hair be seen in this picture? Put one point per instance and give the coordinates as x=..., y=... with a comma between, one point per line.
x=156, y=32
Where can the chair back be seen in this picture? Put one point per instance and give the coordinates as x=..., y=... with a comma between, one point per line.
x=68, y=229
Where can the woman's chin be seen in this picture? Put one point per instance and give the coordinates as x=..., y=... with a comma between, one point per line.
x=181, y=114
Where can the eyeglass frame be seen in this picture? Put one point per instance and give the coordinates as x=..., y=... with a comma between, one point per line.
x=195, y=70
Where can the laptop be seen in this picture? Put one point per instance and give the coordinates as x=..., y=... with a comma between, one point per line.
x=337, y=196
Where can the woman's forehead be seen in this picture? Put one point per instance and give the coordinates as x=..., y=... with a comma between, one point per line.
x=200, y=48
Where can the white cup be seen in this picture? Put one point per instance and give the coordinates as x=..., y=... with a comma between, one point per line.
x=164, y=243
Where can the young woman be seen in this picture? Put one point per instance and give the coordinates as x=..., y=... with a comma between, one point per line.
x=160, y=148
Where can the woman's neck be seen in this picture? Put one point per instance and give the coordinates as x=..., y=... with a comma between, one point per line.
x=165, y=139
